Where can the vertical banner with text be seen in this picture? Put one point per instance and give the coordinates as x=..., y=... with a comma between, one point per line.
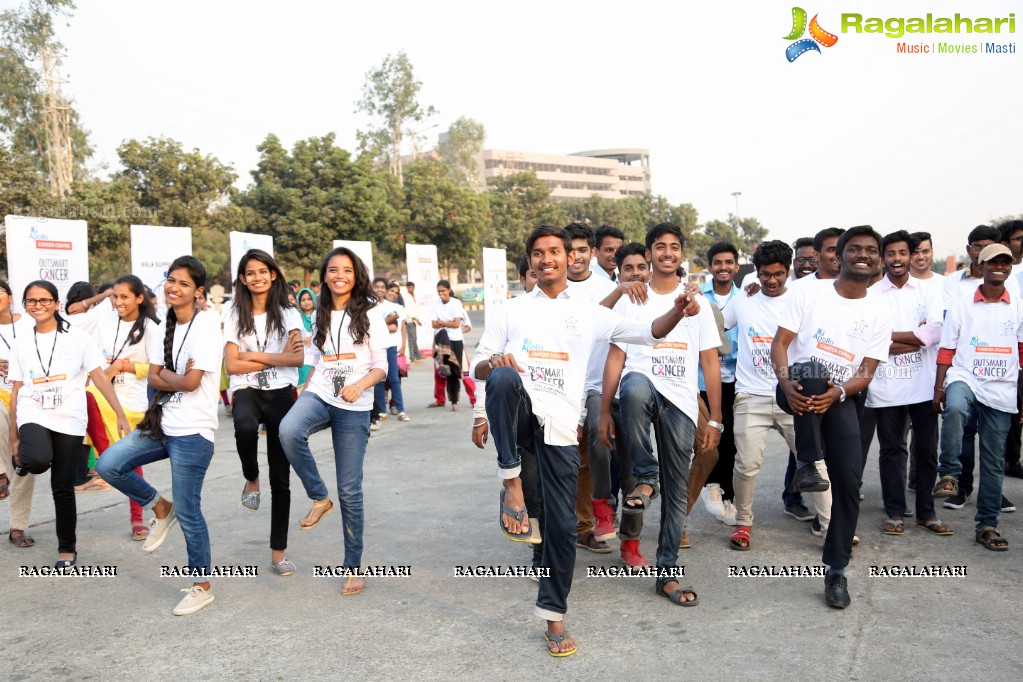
x=424, y=271
x=153, y=248
x=242, y=242
x=46, y=248
x=363, y=250
x=495, y=281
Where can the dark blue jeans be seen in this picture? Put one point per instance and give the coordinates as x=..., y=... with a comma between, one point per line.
x=515, y=429
x=642, y=406
x=380, y=390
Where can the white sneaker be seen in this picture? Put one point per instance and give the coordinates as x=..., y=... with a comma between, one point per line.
x=196, y=598
x=402, y=417
x=729, y=516
x=158, y=529
x=374, y=426
x=711, y=496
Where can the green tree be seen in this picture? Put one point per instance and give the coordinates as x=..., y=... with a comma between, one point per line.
x=444, y=214
x=38, y=119
x=519, y=203
x=22, y=190
x=390, y=96
x=461, y=149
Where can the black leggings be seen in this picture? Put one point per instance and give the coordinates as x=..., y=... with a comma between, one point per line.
x=454, y=382
x=253, y=407
x=64, y=451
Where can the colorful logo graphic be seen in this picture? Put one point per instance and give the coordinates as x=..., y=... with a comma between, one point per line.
x=817, y=35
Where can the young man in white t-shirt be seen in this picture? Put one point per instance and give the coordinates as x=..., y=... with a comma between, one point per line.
x=658, y=384
x=828, y=345
x=978, y=371
x=533, y=356
x=394, y=316
x=756, y=406
x=901, y=391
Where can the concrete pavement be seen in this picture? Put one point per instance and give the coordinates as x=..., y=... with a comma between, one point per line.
x=431, y=504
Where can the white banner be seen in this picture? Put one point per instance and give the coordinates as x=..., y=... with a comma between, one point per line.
x=242, y=242
x=364, y=250
x=153, y=248
x=46, y=248
x=423, y=271
x=495, y=281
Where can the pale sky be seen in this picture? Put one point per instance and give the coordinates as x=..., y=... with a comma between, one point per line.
x=856, y=134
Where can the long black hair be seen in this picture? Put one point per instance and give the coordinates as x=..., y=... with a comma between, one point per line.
x=358, y=305
x=62, y=324
x=276, y=299
x=146, y=309
x=197, y=273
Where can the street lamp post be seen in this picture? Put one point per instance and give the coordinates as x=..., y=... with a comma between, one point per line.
x=737, y=195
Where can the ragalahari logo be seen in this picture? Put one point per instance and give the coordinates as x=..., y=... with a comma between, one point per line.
x=817, y=35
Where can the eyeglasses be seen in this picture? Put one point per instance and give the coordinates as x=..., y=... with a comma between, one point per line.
x=33, y=302
x=803, y=259
x=975, y=247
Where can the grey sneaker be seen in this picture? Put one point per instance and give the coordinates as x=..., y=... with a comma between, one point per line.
x=250, y=501
x=283, y=567
x=196, y=599
x=158, y=529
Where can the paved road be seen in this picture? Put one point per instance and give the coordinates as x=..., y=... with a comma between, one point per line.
x=430, y=504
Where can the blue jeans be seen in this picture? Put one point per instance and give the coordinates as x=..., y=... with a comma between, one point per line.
x=380, y=390
x=190, y=457
x=993, y=429
x=642, y=405
x=350, y=433
x=516, y=430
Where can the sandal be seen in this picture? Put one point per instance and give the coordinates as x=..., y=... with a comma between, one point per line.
x=948, y=486
x=350, y=589
x=532, y=536
x=19, y=539
x=893, y=527
x=740, y=535
x=139, y=532
x=556, y=638
x=92, y=486
x=317, y=505
x=991, y=539
x=435, y=404
x=5, y=488
x=935, y=527
x=676, y=594
x=643, y=498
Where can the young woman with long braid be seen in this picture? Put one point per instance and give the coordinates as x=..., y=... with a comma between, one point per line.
x=179, y=425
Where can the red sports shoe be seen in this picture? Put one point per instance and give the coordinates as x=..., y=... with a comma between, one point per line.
x=631, y=555
x=605, y=518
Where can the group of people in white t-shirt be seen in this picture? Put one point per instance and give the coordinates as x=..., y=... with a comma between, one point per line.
x=863, y=339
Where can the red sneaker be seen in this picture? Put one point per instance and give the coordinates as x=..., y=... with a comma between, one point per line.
x=631, y=555
x=605, y=518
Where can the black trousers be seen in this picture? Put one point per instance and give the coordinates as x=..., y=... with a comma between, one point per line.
x=64, y=451
x=454, y=382
x=253, y=407
x=835, y=437
x=722, y=471
x=891, y=434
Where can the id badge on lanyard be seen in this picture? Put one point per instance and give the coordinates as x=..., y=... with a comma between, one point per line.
x=48, y=393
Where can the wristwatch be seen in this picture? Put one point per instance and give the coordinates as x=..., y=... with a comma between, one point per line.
x=493, y=358
x=841, y=388
x=716, y=425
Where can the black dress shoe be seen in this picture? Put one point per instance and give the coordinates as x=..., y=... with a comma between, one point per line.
x=836, y=590
x=808, y=480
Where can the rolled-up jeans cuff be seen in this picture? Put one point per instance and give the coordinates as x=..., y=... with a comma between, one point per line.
x=505, y=474
x=547, y=614
x=151, y=504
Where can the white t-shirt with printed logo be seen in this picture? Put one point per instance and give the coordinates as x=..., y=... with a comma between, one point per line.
x=53, y=388
x=112, y=336
x=342, y=361
x=907, y=378
x=189, y=413
x=838, y=332
x=594, y=289
x=986, y=339
x=672, y=362
x=9, y=334
x=271, y=378
x=757, y=320
x=446, y=312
